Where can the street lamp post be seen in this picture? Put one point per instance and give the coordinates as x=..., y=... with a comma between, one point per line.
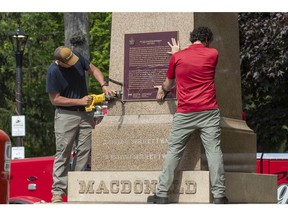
x=18, y=40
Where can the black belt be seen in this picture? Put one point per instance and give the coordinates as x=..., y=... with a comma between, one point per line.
x=78, y=109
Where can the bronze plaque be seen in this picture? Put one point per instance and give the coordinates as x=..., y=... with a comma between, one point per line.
x=145, y=64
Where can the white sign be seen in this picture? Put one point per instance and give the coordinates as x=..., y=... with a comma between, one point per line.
x=18, y=125
x=18, y=152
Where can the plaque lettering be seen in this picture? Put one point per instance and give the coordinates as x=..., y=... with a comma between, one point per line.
x=141, y=156
x=150, y=187
x=126, y=186
x=138, y=187
x=191, y=187
x=102, y=188
x=143, y=141
x=86, y=189
x=114, y=186
x=145, y=64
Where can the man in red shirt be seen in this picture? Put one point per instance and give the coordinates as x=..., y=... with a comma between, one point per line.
x=194, y=71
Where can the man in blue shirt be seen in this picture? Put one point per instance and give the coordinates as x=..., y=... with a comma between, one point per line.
x=67, y=90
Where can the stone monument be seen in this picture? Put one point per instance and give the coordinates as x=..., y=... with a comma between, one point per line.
x=130, y=143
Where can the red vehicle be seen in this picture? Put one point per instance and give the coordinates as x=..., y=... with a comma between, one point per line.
x=5, y=158
x=31, y=180
x=275, y=163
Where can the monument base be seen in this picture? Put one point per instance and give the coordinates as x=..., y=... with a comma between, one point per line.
x=188, y=187
x=139, y=143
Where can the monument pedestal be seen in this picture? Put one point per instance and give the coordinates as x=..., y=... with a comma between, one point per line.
x=139, y=142
x=188, y=187
x=127, y=158
x=129, y=145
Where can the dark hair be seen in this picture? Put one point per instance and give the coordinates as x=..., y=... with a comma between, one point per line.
x=203, y=34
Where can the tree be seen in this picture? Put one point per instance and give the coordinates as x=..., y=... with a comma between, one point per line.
x=90, y=34
x=100, y=37
x=46, y=32
x=43, y=37
x=77, y=32
x=264, y=71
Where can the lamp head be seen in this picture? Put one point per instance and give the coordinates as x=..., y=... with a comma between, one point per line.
x=18, y=40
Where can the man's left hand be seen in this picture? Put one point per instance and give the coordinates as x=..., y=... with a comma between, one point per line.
x=175, y=47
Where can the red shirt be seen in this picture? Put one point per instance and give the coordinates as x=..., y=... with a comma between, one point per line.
x=194, y=70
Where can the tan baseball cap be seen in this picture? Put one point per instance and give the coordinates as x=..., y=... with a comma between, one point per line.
x=64, y=54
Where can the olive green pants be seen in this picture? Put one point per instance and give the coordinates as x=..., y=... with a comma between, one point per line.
x=208, y=125
x=73, y=131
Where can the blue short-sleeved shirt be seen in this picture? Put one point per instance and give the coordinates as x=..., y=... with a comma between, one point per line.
x=69, y=82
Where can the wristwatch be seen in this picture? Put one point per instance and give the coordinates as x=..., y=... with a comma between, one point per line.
x=104, y=84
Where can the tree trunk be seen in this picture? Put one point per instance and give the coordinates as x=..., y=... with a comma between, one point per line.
x=77, y=33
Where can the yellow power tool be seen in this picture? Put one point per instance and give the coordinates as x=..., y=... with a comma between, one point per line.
x=100, y=98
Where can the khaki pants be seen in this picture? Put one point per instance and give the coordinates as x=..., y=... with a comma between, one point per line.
x=208, y=124
x=72, y=129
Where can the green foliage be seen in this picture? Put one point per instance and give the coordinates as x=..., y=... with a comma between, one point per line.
x=46, y=32
x=100, y=36
x=43, y=38
x=264, y=64
x=264, y=71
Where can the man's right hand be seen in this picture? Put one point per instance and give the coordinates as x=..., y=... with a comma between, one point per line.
x=160, y=94
x=86, y=100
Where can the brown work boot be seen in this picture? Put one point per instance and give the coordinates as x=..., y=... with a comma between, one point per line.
x=56, y=198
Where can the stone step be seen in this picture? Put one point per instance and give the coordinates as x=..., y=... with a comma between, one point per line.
x=188, y=187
